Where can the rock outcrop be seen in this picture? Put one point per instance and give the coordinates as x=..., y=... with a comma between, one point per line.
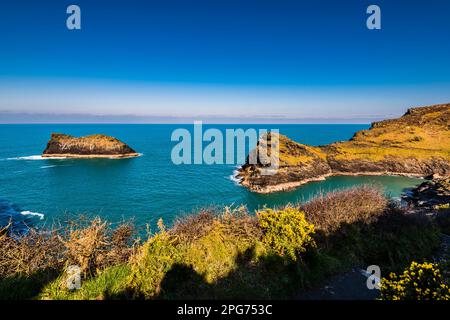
x=433, y=194
x=93, y=146
x=416, y=144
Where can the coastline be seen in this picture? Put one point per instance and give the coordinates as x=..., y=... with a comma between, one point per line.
x=295, y=184
x=91, y=156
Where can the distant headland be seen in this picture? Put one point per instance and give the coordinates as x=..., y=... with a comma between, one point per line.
x=92, y=146
x=416, y=144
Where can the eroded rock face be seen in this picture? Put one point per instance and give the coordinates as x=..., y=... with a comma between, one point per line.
x=93, y=146
x=416, y=144
x=298, y=164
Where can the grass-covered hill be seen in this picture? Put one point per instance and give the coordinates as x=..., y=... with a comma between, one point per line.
x=418, y=143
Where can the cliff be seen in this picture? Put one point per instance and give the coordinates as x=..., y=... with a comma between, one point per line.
x=93, y=146
x=416, y=144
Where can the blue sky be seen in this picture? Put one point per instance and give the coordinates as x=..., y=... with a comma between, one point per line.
x=242, y=59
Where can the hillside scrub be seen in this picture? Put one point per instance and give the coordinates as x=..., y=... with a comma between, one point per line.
x=227, y=253
x=359, y=204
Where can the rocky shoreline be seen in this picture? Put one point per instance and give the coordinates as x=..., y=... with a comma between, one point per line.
x=91, y=156
x=432, y=194
x=287, y=186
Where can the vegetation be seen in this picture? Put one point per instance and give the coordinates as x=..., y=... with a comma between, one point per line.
x=421, y=281
x=230, y=253
x=89, y=145
x=330, y=211
x=422, y=133
x=29, y=262
x=286, y=231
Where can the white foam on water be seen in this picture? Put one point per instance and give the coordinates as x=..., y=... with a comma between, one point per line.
x=45, y=167
x=36, y=157
x=40, y=157
x=30, y=213
x=234, y=177
x=116, y=158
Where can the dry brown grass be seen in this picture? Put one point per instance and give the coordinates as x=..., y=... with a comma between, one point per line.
x=93, y=247
x=360, y=204
x=31, y=253
x=97, y=246
x=233, y=221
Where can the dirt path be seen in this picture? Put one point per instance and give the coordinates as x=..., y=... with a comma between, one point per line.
x=352, y=285
x=347, y=286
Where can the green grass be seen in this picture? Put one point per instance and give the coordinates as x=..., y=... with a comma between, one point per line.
x=108, y=284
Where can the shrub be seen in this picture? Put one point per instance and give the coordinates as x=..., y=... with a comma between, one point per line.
x=286, y=231
x=392, y=241
x=443, y=220
x=208, y=244
x=151, y=262
x=234, y=221
x=418, y=282
x=97, y=246
x=193, y=227
x=360, y=204
x=213, y=256
x=33, y=252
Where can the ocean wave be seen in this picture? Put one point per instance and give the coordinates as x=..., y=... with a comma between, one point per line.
x=51, y=166
x=17, y=220
x=36, y=157
x=31, y=213
x=234, y=177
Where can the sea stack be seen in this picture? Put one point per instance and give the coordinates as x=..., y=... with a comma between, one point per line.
x=92, y=146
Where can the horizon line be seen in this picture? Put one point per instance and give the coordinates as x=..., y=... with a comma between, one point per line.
x=9, y=117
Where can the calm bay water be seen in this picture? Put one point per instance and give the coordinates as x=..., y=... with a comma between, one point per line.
x=145, y=188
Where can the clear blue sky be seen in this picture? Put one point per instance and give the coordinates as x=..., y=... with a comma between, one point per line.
x=216, y=58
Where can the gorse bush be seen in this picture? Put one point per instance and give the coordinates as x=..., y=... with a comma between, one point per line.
x=421, y=281
x=207, y=244
x=151, y=262
x=286, y=231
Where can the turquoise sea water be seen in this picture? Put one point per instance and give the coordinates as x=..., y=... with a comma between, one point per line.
x=145, y=188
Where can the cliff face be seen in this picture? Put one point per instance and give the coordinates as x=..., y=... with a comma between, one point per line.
x=93, y=146
x=418, y=143
x=298, y=163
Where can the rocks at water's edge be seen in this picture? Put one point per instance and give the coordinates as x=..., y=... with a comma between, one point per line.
x=433, y=194
x=93, y=146
x=416, y=144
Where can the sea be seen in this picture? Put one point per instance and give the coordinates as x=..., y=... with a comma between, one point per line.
x=43, y=192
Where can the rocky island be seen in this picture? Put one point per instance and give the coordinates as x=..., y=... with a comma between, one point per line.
x=416, y=144
x=92, y=146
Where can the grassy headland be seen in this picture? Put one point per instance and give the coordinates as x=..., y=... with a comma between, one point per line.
x=416, y=144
